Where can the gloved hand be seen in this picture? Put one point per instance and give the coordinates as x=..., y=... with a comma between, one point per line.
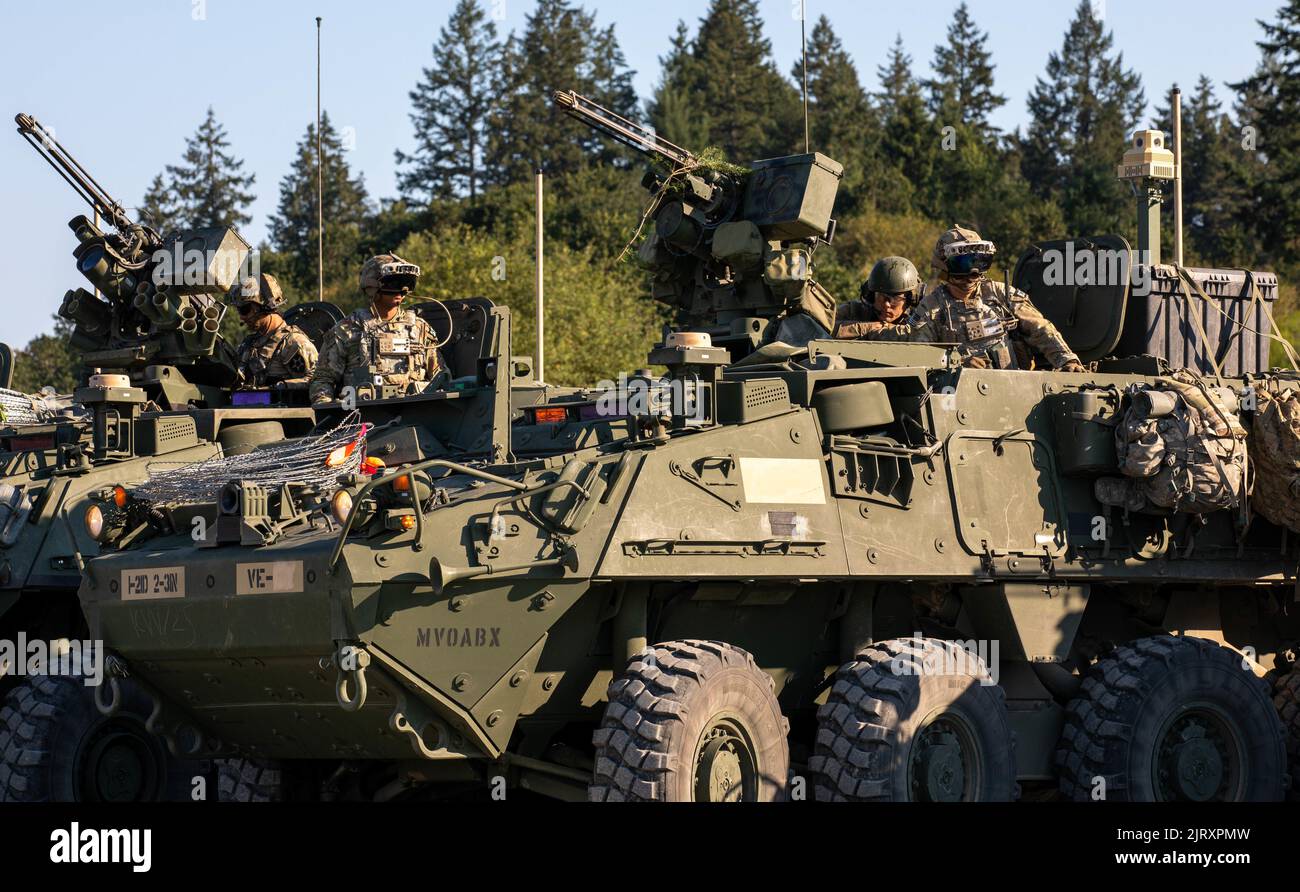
x=1073, y=366
x=977, y=362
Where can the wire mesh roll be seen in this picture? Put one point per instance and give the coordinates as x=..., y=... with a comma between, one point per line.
x=317, y=461
x=17, y=408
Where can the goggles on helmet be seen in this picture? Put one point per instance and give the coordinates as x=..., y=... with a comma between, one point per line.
x=968, y=258
x=398, y=278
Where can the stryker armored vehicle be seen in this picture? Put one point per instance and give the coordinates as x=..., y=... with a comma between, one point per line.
x=158, y=389
x=829, y=569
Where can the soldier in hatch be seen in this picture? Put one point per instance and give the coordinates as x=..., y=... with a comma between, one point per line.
x=275, y=353
x=885, y=297
x=992, y=328
x=380, y=346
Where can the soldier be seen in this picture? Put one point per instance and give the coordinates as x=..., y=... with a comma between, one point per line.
x=275, y=353
x=380, y=346
x=991, y=328
x=885, y=297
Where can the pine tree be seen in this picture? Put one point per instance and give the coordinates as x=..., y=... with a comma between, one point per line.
x=1081, y=115
x=727, y=71
x=677, y=116
x=1218, y=207
x=909, y=136
x=207, y=189
x=842, y=122
x=1269, y=104
x=561, y=49
x=345, y=211
x=451, y=105
x=962, y=89
x=48, y=360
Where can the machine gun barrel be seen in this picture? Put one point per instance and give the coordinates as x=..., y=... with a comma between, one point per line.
x=629, y=133
x=43, y=141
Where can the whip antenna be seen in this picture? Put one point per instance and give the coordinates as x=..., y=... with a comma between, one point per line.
x=320, y=187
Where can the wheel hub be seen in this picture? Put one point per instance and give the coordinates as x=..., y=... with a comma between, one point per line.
x=726, y=770
x=119, y=766
x=1194, y=759
x=942, y=762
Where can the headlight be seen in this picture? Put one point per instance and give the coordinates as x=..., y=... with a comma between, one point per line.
x=341, y=505
x=94, y=521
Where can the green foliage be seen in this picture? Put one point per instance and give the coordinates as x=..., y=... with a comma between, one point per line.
x=208, y=189
x=346, y=211
x=961, y=91
x=1082, y=114
x=561, y=49
x=597, y=324
x=450, y=107
x=724, y=83
x=48, y=361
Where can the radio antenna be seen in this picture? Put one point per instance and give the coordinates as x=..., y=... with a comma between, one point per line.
x=803, y=42
x=320, y=185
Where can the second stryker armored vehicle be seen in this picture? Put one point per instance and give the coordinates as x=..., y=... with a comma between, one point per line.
x=790, y=566
x=159, y=392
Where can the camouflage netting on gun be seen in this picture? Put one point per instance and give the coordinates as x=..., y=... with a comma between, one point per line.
x=316, y=461
x=1275, y=448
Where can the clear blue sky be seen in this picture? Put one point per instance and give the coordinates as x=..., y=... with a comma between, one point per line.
x=124, y=83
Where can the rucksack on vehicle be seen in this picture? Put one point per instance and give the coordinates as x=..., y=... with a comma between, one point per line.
x=1181, y=448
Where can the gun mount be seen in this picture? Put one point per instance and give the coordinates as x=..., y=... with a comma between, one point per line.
x=731, y=250
x=157, y=300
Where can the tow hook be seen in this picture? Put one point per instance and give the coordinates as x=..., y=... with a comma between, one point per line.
x=351, y=662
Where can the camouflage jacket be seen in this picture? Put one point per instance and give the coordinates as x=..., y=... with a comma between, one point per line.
x=285, y=355
x=851, y=317
x=984, y=327
x=363, y=350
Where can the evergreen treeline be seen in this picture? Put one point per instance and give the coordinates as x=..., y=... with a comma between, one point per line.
x=918, y=146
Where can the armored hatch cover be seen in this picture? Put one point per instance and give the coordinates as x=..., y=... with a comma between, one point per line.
x=1082, y=286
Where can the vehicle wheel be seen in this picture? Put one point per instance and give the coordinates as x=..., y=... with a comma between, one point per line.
x=249, y=780
x=55, y=746
x=914, y=720
x=1172, y=719
x=691, y=721
x=1286, y=698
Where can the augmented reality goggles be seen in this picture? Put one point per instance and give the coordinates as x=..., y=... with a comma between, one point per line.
x=398, y=277
x=968, y=258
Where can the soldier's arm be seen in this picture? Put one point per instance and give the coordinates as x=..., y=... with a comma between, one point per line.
x=298, y=354
x=920, y=325
x=1040, y=333
x=327, y=374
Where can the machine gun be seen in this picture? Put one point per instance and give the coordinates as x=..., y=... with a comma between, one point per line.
x=731, y=249
x=161, y=305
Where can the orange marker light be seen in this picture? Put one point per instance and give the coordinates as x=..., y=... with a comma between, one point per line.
x=408, y=521
x=120, y=496
x=551, y=416
x=402, y=484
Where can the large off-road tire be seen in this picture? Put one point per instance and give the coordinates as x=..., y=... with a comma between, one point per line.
x=56, y=747
x=1286, y=698
x=250, y=780
x=691, y=721
x=1172, y=719
x=914, y=720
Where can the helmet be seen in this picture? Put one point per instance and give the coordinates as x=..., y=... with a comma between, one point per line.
x=961, y=251
x=263, y=290
x=388, y=272
x=892, y=275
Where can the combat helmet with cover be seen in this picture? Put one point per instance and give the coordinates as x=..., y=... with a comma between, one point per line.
x=891, y=275
x=388, y=272
x=263, y=290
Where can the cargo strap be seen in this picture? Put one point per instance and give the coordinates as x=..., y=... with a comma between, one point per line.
x=1186, y=281
x=1255, y=299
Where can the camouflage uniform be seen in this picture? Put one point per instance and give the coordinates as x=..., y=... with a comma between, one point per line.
x=363, y=350
x=852, y=319
x=983, y=327
x=283, y=356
